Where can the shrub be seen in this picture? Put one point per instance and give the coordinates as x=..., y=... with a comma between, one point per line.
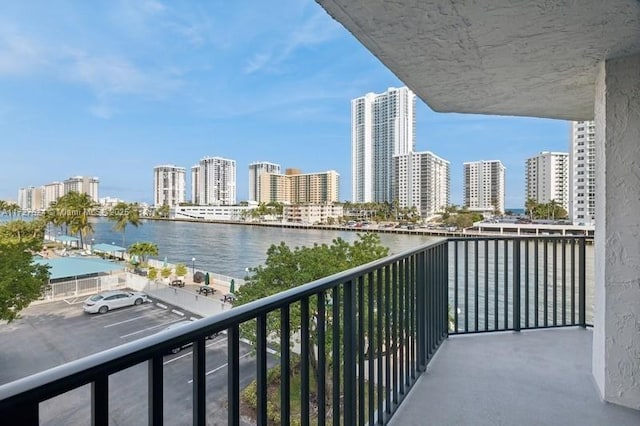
x=166, y=272
x=153, y=273
x=181, y=270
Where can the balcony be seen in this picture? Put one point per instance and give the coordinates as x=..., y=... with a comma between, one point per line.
x=371, y=333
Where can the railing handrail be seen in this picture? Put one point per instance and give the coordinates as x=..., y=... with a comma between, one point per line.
x=519, y=237
x=58, y=380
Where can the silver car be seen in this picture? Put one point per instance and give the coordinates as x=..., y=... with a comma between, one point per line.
x=108, y=300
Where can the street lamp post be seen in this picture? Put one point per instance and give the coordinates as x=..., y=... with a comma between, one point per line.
x=193, y=265
x=92, y=241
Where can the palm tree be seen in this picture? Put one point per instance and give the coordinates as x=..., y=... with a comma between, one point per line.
x=81, y=206
x=124, y=214
x=143, y=249
x=530, y=206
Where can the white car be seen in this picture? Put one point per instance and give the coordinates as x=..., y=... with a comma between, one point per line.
x=108, y=300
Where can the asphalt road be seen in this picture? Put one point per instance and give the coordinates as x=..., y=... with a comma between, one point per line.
x=51, y=334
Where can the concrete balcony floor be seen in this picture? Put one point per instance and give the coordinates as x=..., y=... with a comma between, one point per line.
x=538, y=377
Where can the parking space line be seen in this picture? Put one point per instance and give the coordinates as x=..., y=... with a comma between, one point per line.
x=114, y=313
x=150, y=328
x=222, y=366
x=125, y=321
x=215, y=342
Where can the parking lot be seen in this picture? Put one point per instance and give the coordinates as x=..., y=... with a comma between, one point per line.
x=52, y=334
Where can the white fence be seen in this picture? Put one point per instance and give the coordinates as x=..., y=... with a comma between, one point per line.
x=83, y=287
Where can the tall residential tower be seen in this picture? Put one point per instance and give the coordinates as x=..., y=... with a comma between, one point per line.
x=547, y=178
x=484, y=186
x=216, y=181
x=256, y=170
x=168, y=185
x=582, y=173
x=382, y=125
x=421, y=179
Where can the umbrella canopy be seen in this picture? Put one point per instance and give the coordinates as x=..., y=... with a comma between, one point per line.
x=206, y=279
x=232, y=286
x=164, y=264
x=108, y=248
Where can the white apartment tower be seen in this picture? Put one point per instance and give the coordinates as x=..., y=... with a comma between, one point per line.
x=217, y=181
x=31, y=198
x=256, y=170
x=484, y=186
x=195, y=184
x=582, y=173
x=382, y=126
x=82, y=185
x=169, y=185
x=52, y=191
x=421, y=180
x=547, y=178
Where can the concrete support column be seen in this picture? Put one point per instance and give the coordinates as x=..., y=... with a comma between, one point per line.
x=616, y=337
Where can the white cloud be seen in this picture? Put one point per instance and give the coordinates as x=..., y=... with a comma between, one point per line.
x=101, y=111
x=315, y=30
x=19, y=55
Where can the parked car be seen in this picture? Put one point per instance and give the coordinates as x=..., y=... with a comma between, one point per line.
x=177, y=283
x=182, y=324
x=108, y=300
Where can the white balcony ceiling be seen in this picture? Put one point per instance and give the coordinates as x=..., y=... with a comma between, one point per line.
x=508, y=57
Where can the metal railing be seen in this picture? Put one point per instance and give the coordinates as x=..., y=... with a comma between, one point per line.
x=373, y=330
x=516, y=283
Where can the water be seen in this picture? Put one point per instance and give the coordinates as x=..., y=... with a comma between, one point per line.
x=230, y=249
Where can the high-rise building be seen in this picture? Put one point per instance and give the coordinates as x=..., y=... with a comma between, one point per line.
x=169, y=185
x=547, y=178
x=82, y=185
x=484, y=186
x=297, y=187
x=421, y=180
x=31, y=198
x=217, y=181
x=52, y=191
x=195, y=184
x=582, y=173
x=382, y=125
x=256, y=170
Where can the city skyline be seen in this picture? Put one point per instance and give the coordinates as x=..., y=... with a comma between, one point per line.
x=152, y=83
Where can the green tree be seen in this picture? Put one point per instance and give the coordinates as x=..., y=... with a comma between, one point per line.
x=163, y=211
x=165, y=272
x=143, y=249
x=21, y=280
x=124, y=214
x=181, y=270
x=79, y=208
x=153, y=273
x=286, y=268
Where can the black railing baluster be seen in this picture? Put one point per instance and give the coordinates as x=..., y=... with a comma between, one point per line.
x=455, y=286
x=505, y=296
x=496, y=314
x=285, y=363
x=379, y=344
x=394, y=335
x=526, y=284
x=350, y=345
x=388, y=342
x=199, y=383
x=155, y=389
x=322, y=363
x=371, y=346
x=466, y=286
x=304, y=361
x=564, y=281
x=515, y=309
x=407, y=320
x=476, y=266
x=100, y=401
x=582, y=283
x=546, y=282
x=335, y=356
x=486, y=285
x=233, y=375
x=573, y=281
x=555, y=282
x=261, y=369
x=401, y=327
x=536, y=280
x=360, y=348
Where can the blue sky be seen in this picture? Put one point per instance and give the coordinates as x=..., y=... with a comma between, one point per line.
x=113, y=88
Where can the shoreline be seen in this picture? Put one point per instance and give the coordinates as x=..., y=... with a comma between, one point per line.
x=417, y=231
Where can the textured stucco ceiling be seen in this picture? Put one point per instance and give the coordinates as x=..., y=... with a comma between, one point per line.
x=507, y=57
